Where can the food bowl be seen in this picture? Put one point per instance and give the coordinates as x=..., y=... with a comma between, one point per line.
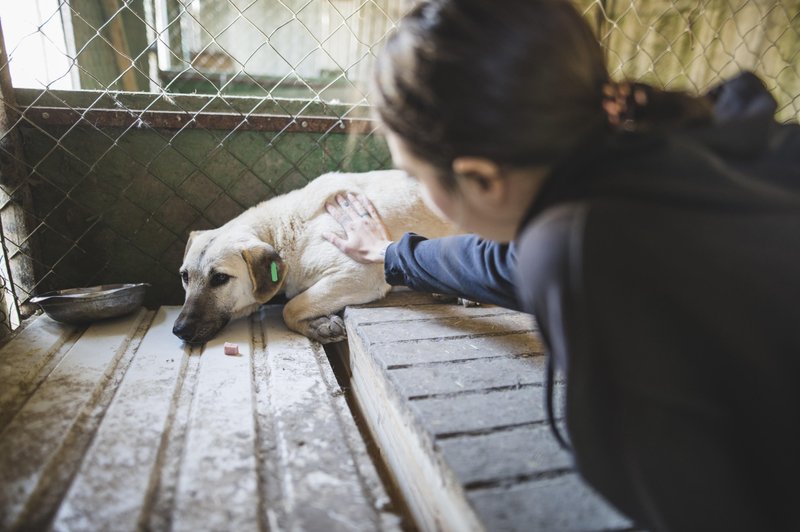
x=84, y=305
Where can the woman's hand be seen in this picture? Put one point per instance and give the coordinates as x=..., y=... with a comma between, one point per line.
x=366, y=235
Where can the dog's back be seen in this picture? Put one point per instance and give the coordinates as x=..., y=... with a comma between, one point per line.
x=396, y=196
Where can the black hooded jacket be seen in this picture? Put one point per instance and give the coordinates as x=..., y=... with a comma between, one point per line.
x=664, y=272
x=663, y=269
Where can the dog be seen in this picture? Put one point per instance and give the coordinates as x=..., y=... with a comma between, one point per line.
x=277, y=247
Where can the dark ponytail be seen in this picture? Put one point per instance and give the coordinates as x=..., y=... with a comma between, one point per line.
x=520, y=82
x=641, y=107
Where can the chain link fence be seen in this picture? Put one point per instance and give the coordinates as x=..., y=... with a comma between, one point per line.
x=128, y=123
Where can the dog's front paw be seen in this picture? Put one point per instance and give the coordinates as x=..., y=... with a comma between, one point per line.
x=327, y=329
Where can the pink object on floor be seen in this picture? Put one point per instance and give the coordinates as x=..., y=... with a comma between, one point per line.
x=231, y=349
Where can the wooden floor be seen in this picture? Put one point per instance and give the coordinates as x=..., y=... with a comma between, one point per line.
x=119, y=426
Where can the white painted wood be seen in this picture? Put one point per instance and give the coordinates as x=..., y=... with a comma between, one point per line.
x=109, y=491
x=134, y=430
x=159, y=505
x=34, y=444
x=373, y=485
x=27, y=358
x=321, y=486
x=217, y=488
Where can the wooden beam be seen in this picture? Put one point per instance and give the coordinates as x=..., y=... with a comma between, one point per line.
x=93, y=55
x=16, y=202
x=119, y=39
x=110, y=44
x=47, y=116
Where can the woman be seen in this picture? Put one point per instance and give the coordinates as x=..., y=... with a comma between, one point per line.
x=656, y=239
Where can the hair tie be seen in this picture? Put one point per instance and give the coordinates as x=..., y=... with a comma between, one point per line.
x=624, y=103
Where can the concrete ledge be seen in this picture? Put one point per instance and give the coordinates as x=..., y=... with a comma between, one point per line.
x=454, y=397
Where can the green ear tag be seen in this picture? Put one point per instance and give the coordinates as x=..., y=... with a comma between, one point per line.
x=274, y=271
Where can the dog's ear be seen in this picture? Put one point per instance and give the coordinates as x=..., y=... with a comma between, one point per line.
x=266, y=278
x=192, y=235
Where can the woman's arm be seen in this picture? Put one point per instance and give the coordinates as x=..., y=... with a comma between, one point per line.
x=465, y=265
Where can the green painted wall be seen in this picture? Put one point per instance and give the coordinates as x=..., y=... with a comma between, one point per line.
x=117, y=206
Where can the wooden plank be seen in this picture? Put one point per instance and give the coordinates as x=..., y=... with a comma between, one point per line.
x=21, y=257
x=561, y=503
x=42, y=445
x=187, y=104
x=443, y=416
x=110, y=488
x=422, y=311
x=399, y=296
x=387, y=512
x=46, y=117
x=321, y=487
x=395, y=356
x=446, y=328
x=432, y=492
x=506, y=455
x=470, y=375
x=133, y=430
x=27, y=358
x=95, y=59
x=218, y=473
x=159, y=502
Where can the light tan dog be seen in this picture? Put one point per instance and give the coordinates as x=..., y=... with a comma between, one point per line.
x=277, y=247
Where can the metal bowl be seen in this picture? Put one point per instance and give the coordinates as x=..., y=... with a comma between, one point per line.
x=84, y=305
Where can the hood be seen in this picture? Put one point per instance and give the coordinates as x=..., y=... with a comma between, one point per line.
x=738, y=161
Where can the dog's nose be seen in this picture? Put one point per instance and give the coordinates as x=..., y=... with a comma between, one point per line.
x=183, y=330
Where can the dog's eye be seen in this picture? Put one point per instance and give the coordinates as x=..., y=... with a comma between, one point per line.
x=219, y=279
x=185, y=276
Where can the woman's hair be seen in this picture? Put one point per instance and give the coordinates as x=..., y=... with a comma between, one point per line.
x=520, y=82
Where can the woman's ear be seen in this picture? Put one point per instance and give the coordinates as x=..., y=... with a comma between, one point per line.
x=481, y=180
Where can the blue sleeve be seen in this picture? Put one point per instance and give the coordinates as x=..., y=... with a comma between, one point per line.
x=465, y=266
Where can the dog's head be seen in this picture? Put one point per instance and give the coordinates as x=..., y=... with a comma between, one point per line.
x=224, y=277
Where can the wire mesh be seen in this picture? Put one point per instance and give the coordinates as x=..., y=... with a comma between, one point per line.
x=128, y=123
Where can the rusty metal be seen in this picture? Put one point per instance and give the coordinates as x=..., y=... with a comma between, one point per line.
x=56, y=116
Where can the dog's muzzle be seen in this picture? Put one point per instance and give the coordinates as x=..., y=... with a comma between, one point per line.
x=193, y=330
